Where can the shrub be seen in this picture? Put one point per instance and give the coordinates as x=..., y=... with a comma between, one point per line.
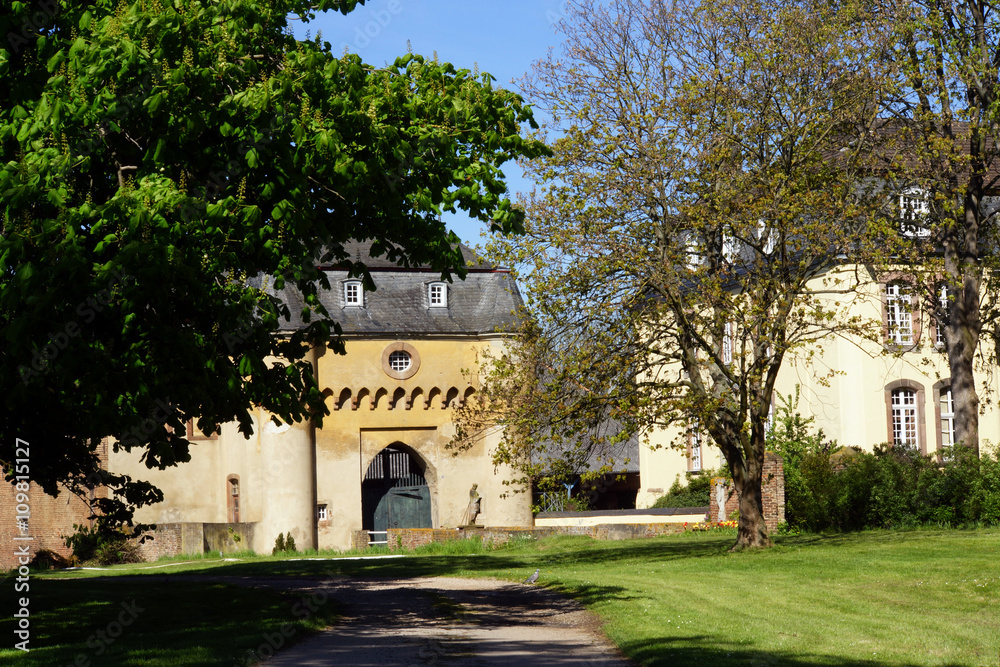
x=119, y=552
x=105, y=543
x=697, y=493
x=894, y=487
x=284, y=543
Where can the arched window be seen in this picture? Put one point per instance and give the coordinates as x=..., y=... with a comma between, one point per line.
x=945, y=413
x=233, y=498
x=904, y=418
x=905, y=415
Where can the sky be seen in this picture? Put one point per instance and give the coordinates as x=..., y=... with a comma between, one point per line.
x=502, y=38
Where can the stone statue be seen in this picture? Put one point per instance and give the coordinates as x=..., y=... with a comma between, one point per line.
x=720, y=498
x=474, y=506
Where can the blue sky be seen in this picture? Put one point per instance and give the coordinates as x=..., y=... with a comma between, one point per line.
x=502, y=38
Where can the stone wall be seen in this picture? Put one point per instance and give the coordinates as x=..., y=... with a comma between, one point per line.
x=175, y=539
x=772, y=494
x=410, y=538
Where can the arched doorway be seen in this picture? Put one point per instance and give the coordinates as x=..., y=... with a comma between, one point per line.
x=394, y=492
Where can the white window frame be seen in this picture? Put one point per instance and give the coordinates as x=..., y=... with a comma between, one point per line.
x=695, y=443
x=321, y=512
x=730, y=247
x=398, y=354
x=354, y=293
x=942, y=296
x=768, y=236
x=694, y=250
x=905, y=416
x=946, y=426
x=727, y=343
x=899, y=312
x=437, y=295
x=914, y=211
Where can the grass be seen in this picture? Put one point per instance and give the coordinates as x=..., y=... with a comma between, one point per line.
x=922, y=597
x=129, y=621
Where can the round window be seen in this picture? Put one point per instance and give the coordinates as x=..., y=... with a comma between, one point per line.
x=399, y=360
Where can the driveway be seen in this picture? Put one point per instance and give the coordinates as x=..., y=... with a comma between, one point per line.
x=443, y=621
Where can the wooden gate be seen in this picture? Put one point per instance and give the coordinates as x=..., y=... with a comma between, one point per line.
x=394, y=493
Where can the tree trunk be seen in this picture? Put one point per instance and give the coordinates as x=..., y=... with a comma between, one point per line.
x=962, y=268
x=752, y=530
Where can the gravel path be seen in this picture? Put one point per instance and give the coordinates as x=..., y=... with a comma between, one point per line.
x=444, y=621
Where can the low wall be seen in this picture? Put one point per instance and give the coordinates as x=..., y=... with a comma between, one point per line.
x=400, y=539
x=679, y=515
x=176, y=539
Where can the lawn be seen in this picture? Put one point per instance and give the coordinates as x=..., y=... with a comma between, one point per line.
x=925, y=597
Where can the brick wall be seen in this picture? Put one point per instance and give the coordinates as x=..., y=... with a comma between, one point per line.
x=772, y=494
x=175, y=539
x=50, y=522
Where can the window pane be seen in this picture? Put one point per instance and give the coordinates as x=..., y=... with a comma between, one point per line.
x=898, y=317
x=947, y=418
x=695, y=440
x=438, y=295
x=904, y=418
x=353, y=294
x=399, y=360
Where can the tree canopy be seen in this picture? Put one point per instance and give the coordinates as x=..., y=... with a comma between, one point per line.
x=709, y=164
x=944, y=113
x=167, y=166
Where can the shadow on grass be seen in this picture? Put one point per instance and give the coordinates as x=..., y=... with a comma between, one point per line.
x=710, y=651
x=132, y=620
x=545, y=554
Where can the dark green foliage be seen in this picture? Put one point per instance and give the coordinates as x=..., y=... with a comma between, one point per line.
x=157, y=161
x=806, y=456
x=284, y=543
x=105, y=543
x=894, y=487
x=697, y=493
x=833, y=488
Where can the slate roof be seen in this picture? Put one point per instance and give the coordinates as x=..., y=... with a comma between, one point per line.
x=485, y=302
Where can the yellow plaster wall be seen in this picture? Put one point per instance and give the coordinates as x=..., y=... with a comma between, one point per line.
x=350, y=438
x=841, y=383
x=275, y=465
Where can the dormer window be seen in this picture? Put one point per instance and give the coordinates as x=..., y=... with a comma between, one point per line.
x=437, y=295
x=354, y=293
x=914, y=210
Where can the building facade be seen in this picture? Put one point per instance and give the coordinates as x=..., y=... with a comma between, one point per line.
x=860, y=392
x=382, y=457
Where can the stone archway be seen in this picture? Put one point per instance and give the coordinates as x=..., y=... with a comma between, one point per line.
x=395, y=492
